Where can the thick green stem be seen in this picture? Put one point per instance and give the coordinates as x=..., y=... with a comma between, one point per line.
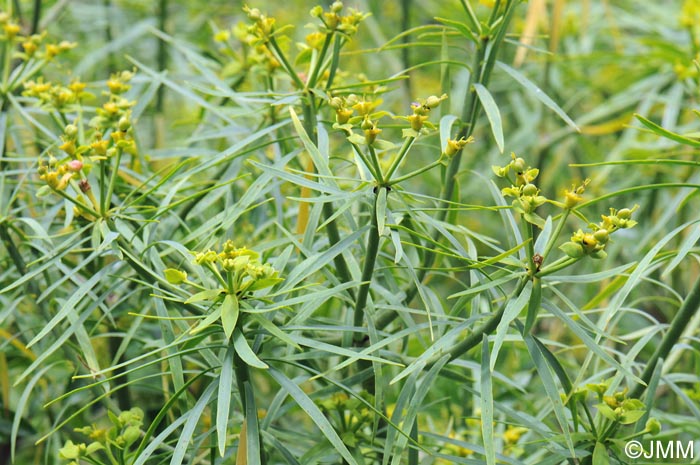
x=162, y=53
x=401, y=155
x=680, y=321
x=368, y=269
x=555, y=235
x=36, y=16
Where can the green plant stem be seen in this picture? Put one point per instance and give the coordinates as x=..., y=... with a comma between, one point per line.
x=375, y=160
x=560, y=264
x=112, y=181
x=285, y=63
x=368, y=269
x=328, y=211
x=364, y=159
x=36, y=16
x=530, y=247
x=162, y=54
x=77, y=203
x=688, y=308
x=401, y=155
x=335, y=60
x=319, y=62
x=555, y=234
x=415, y=173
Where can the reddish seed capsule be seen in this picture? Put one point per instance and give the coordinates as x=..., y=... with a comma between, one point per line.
x=75, y=165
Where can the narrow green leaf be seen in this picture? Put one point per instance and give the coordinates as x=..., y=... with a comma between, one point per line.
x=487, y=285
x=320, y=161
x=688, y=243
x=22, y=403
x=538, y=93
x=209, y=294
x=229, y=314
x=223, y=403
x=190, y=425
x=511, y=312
x=252, y=430
x=551, y=389
x=658, y=130
x=208, y=321
x=69, y=306
x=492, y=114
x=245, y=352
x=310, y=408
x=381, y=210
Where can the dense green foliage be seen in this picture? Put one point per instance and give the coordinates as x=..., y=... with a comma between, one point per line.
x=400, y=232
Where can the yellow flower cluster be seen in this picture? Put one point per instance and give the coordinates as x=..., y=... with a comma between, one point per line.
x=333, y=20
x=243, y=265
x=593, y=242
x=56, y=96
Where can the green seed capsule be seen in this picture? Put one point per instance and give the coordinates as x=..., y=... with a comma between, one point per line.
x=601, y=236
x=530, y=190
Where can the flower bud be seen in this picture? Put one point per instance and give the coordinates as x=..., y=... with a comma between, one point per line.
x=254, y=14
x=71, y=131
x=336, y=102
x=316, y=11
x=124, y=124
x=336, y=7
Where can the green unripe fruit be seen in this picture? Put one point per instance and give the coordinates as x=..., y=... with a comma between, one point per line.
x=624, y=214
x=519, y=165
x=124, y=124
x=653, y=426
x=601, y=236
x=530, y=190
